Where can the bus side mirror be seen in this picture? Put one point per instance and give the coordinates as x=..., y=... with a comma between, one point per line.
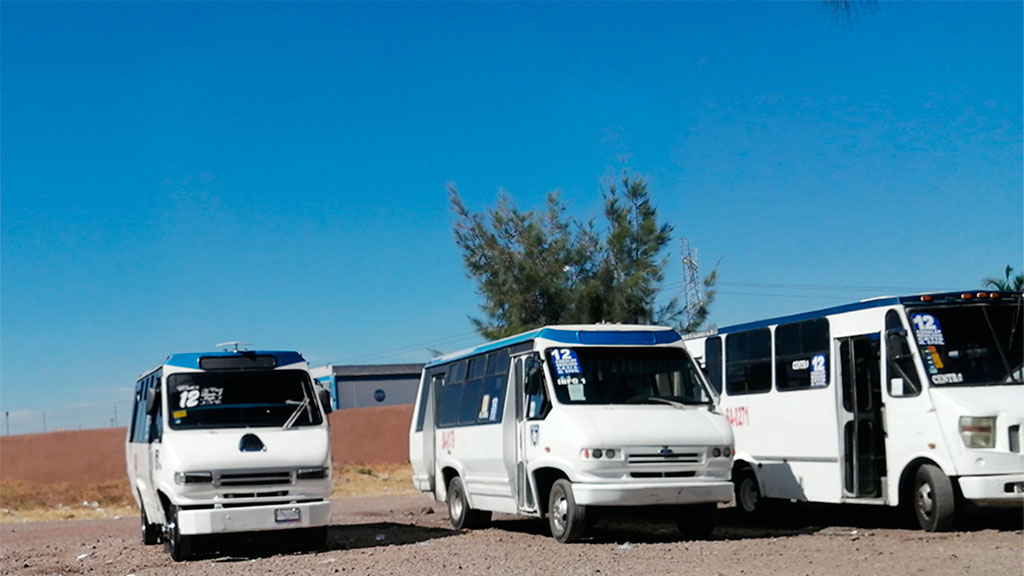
x=325, y=400
x=151, y=400
x=896, y=341
x=532, y=367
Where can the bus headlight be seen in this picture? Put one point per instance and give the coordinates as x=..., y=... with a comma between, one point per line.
x=193, y=477
x=312, y=473
x=601, y=454
x=978, y=432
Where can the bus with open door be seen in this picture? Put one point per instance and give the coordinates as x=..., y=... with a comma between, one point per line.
x=914, y=401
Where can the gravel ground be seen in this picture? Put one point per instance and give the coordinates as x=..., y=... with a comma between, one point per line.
x=404, y=535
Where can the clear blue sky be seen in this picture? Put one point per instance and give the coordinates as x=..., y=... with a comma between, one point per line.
x=179, y=174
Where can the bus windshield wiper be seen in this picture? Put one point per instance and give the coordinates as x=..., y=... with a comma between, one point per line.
x=663, y=400
x=295, y=415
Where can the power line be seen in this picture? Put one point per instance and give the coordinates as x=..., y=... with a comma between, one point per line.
x=767, y=295
x=843, y=287
x=437, y=342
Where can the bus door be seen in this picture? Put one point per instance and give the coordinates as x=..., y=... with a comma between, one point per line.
x=140, y=454
x=860, y=417
x=530, y=407
x=432, y=390
x=154, y=433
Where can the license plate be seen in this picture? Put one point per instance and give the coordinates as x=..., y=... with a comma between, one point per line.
x=287, y=515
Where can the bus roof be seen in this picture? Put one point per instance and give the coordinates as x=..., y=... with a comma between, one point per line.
x=191, y=359
x=913, y=300
x=588, y=334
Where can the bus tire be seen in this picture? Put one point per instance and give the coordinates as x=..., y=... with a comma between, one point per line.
x=150, y=532
x=568, y=520
x=748, y=493
x=696, y=521
x=179, y=546
x=933, y=499
x=460, y=514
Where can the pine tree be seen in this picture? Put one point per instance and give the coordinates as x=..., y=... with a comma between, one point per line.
x=538, y=268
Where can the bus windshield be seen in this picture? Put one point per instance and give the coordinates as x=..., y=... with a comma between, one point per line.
x=973, y=345
x=607, y=375
x=241, y=399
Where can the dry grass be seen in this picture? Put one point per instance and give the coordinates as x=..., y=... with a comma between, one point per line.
x=391, y=479
x=26, y=502
x=23, y=501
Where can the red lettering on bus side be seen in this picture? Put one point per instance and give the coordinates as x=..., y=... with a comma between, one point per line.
x=448, y=441
x=737, y=416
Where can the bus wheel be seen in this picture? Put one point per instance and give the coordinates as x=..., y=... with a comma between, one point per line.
x=460, y=514
x=567, y=519
x=748, y=493
x=934, y=500
x=696, y=521
x=178, y=545
x=150, y=532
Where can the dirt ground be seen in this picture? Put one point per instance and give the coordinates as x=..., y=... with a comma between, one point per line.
x=405, y=535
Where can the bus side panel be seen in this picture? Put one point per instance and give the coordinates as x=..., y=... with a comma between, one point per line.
x=476, y=453
x=791, y=437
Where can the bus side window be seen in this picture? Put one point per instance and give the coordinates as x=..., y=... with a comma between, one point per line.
x=134, y=432
x=140, y=425
x=748, y=362
x=449, y=396
x=713, y=362
x=156, y=423
x=537, y=402
x=903, y=380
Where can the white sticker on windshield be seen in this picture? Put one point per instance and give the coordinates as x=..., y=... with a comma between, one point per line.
x=576, y=393
x=211, y=396
x=485, y=405
x=566, y=361
x=188, y=396
x=928, y=331
x=818, y=374
x=955, y=378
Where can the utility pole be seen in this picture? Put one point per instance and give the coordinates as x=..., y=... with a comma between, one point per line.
x=693, y=292
x=114, y=421
x=7, y=420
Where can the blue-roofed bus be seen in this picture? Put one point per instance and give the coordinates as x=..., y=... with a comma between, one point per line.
x=565, y=422
x=226, y=442
x=914, y=401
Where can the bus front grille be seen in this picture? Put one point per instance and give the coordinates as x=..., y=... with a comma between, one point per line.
x=235, y=495
x=666, y=458
x=232, y=479
x=682, y=474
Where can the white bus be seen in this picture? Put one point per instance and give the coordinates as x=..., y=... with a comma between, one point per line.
x=564, y=419
x=899, y=400
x=233, y=441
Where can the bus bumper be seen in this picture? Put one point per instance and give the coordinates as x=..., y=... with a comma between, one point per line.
x=996, y=490
x=254, y=518
x=650, y=493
